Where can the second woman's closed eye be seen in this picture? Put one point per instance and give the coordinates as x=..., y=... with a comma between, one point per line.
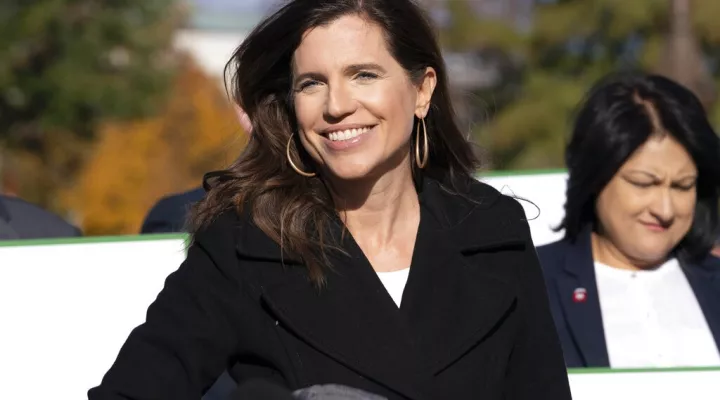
x=683, y=184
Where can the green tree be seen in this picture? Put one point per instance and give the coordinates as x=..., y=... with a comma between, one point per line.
x=571, y=44
x=66, y=65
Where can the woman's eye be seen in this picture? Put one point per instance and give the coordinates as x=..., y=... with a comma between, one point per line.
x=366, y=75
x=308, y=84
x=684, y=186
x=642, y=184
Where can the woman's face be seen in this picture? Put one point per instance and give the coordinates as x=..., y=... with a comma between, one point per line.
x=648, y=206
x=355, y=104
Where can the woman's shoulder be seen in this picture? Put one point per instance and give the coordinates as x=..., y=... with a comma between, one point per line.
x=553, y=247
x=476, y=211
x=474, y=193
x=491, y=203
x=552, y=255
x=711, y=262
x=219, y=235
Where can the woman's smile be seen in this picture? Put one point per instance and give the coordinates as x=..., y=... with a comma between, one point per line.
x=344, y=139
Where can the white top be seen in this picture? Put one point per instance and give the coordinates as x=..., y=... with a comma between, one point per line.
x=394, y=283
x=652, y=319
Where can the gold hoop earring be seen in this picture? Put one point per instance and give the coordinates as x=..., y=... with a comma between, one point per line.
x=421, y=163
x=292, y=164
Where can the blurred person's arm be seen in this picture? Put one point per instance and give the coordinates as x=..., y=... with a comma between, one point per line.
x=23, y=220
x=170, y=213
x=164, y=217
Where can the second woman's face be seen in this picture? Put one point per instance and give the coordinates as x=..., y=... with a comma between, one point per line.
x=355, y=104
x=648, y=206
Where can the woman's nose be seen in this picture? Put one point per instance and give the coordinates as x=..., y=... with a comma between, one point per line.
x=340, y=102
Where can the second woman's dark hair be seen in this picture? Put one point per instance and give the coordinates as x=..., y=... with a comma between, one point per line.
x=618, y=116
x=294, y=210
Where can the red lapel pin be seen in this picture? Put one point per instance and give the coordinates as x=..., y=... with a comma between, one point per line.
x=580, y=295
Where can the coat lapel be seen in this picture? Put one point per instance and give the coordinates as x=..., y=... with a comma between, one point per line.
x=583, y=317
x=705, y=282
x=449, y=303
x=352, y=319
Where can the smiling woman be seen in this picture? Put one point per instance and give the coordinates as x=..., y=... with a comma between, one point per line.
x=349, y=244
x=354, y=96
x=641, y=218
x=350, y=112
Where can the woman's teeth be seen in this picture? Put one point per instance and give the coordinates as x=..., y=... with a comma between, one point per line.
x=347, y=134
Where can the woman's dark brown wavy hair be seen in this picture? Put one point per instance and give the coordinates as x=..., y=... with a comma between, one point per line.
x=293, y=210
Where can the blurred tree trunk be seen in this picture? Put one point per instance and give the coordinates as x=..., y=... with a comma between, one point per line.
x=682, y=59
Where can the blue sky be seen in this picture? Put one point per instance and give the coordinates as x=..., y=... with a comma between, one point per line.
x=255, y=9
x=254, y=5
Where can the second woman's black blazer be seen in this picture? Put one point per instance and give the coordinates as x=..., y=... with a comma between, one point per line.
x=474, y=321
x=569, y=266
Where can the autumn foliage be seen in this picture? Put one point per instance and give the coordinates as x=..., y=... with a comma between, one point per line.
x=134, y=164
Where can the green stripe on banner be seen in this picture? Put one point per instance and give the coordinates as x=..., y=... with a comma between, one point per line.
x=636, y=370
x=524, y=172
x=94, y=239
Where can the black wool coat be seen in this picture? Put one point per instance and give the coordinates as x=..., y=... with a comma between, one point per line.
x=474, y=321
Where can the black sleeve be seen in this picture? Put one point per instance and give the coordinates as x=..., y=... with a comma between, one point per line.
x=536, y=368
x=190, y=333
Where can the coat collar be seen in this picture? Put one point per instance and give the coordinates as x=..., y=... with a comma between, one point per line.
x=704, y=278
x=458, y=211
x=584, y=318
x=448, y=304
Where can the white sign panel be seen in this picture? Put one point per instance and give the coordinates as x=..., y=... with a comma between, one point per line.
x=66, y=310
x=692, y=384
x=543, y=198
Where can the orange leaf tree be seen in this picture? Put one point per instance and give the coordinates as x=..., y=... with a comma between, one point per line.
x=136, y=163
